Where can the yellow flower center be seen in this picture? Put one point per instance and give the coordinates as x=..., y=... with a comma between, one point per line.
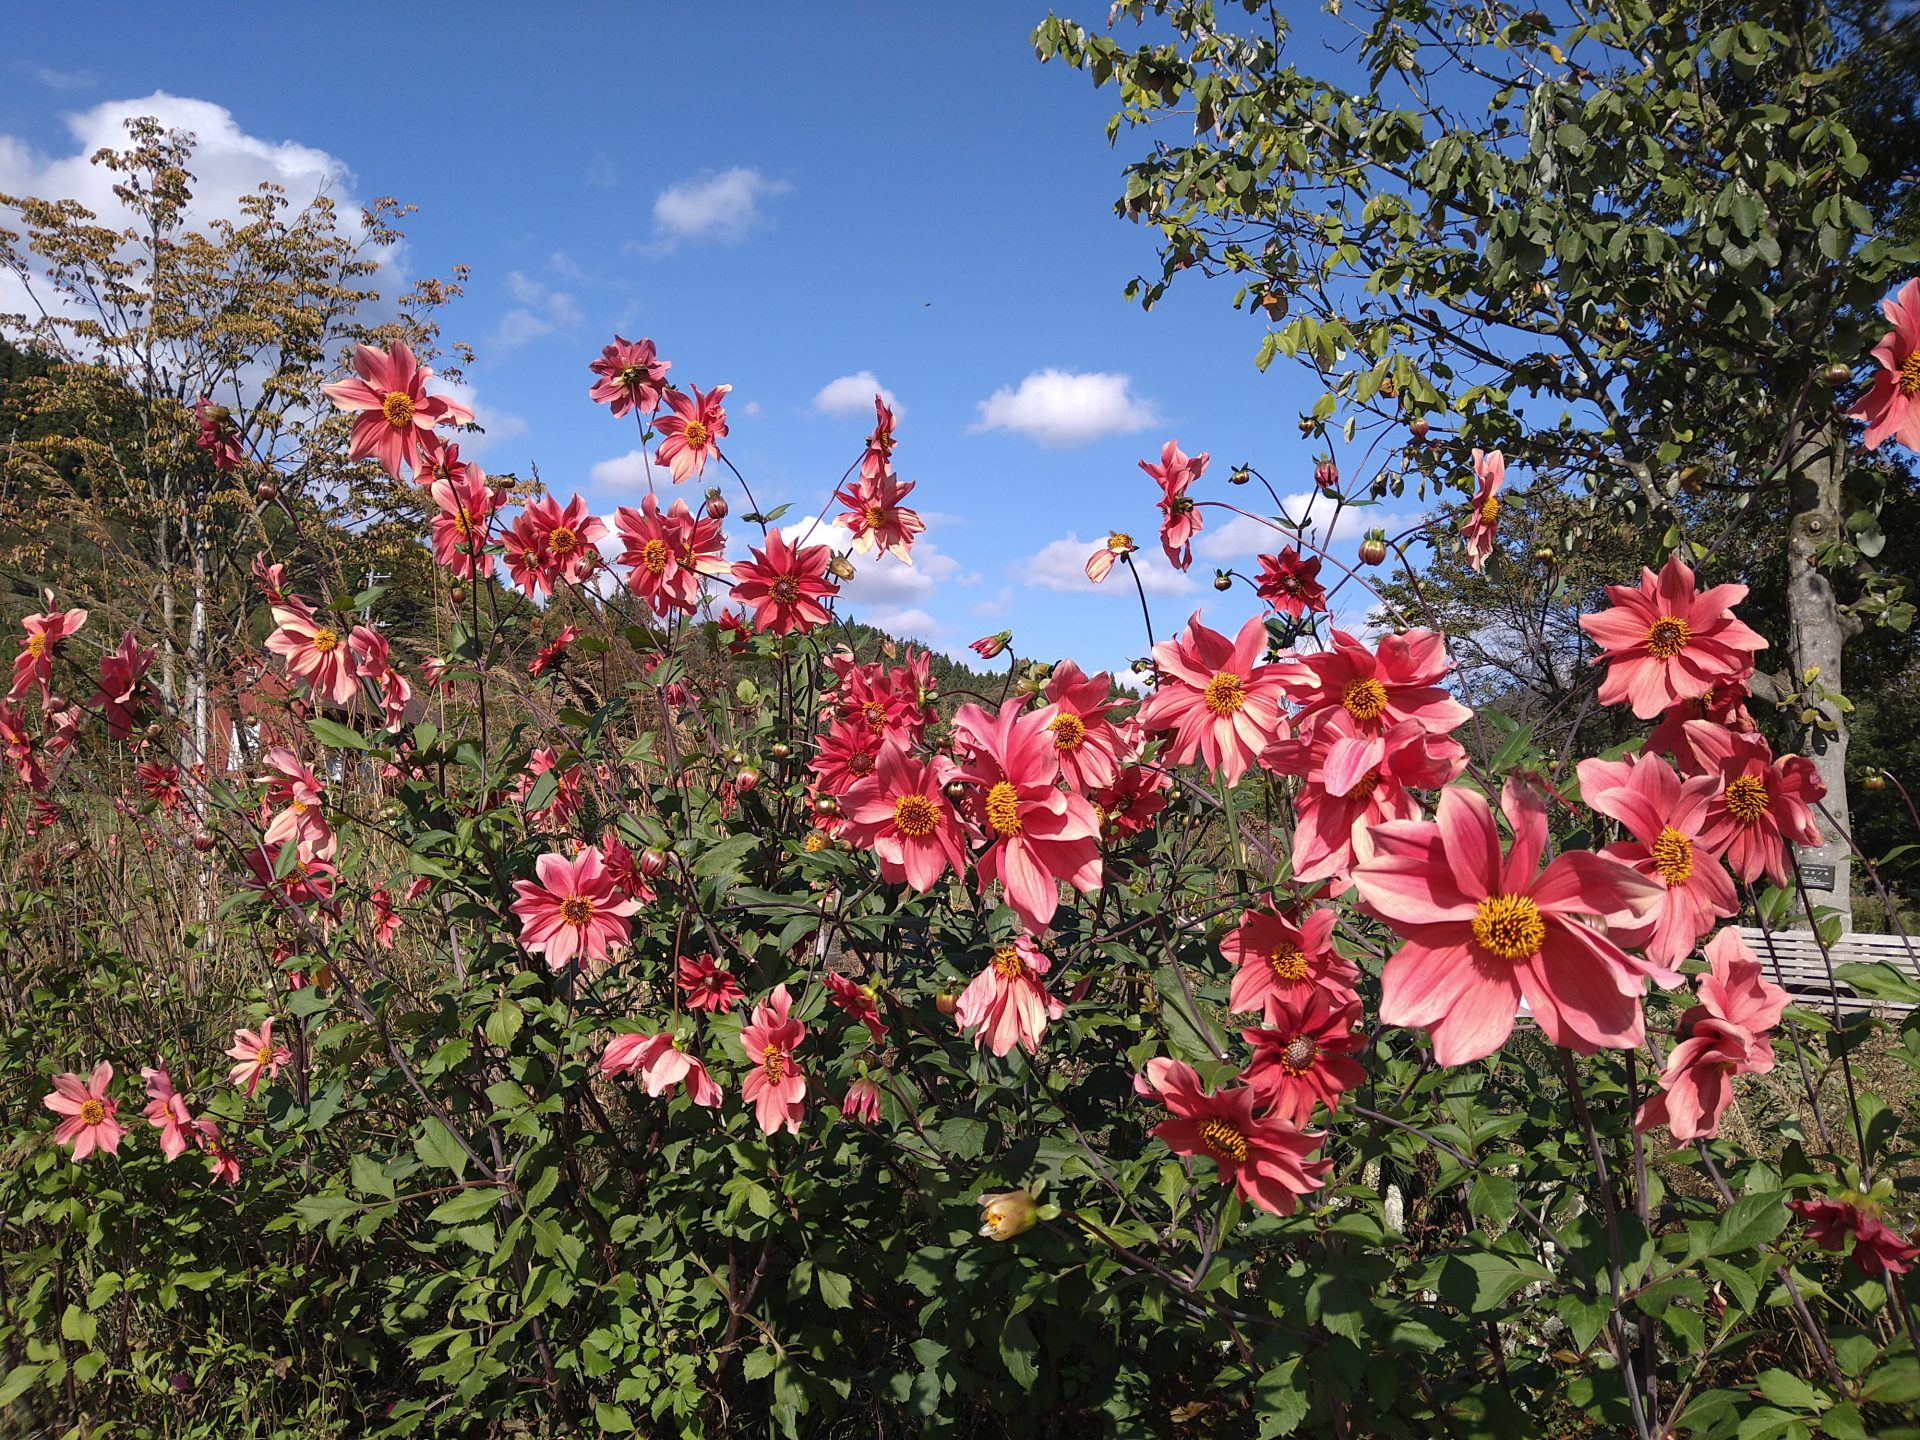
x=36, y=645
x=1747, y=798
x=1120, y=544
x=463, y=524
x=1224, y=1140
x=786, y=590
x=654, y=555
x=92, y=1112
x=1364, y=699
x=326, y=641
x=1069, y=732
x=1508, y=926
x=563, y=541
x=1910, y=374
x=1673, y=857
x=398, y=408
x=1003, y=809
x=1225, y=694
x=1667, y=637
x=1363, y=787
x=875, y=517
x=815, y=842
x=1007, y=963
x=576, y=909
x=1299, y=1055
x=263, y=1056
x=1490, y=509
x=696, y=434
x=915, y=816
x=1288, y=961
x=773, y=1064
x=875, y=714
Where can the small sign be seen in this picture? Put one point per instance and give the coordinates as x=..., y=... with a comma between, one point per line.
x=1818, y=877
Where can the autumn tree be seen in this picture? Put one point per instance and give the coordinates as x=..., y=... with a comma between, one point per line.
x=1638, y=247
x=173, y=415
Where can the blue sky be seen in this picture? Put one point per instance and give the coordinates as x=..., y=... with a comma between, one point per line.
x=781, y=197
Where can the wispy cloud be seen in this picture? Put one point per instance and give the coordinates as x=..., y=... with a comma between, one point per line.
x=1064, y=408
x=539, y=312
x=852, y=395
x=622, y=472
x=601, y=174
x=64, y=80
x=1062, y=565
x=714, y=205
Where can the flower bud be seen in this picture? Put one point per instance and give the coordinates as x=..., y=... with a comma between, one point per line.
x=1874, y=781
x=946, y=1002
x=203, y=842
x=1240, y=475
x=1010, y=1213
x=1373, y=549
x=1222, y=580
x=716, y=504
x=1326, y=475
x=841, y=567
x=1418, y=427
x=651, y=861
x=747, y=780
x=267, y=491
x=780, y=750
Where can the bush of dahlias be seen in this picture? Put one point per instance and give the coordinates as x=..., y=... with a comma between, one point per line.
x=651, y=1015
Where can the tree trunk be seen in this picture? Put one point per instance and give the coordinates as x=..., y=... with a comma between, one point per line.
x=1817, y=631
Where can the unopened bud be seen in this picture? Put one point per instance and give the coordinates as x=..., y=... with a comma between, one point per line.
x=1010, y=1213
x=841, y=567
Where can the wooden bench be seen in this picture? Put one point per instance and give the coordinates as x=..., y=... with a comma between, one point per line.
x=1793, y=961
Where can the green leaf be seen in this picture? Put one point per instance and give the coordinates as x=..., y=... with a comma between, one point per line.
x=436, y=1146
x=612, y=1419
x=1020, y=1351
x=1280, y=1400
x=728, y=858
x=759, y=1364
x=17, y=1381
x=1790, y=1391
x=369, y=1178
x=467, y=1205
x=836, y=1289
x=332, y=732
x=1750, y=1222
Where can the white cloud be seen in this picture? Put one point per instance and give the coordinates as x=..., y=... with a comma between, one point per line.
x=65, y=79
x=1064, y=408
x=622, y=472
x=1242, y=537
x=993, y=609
x=499, y=425
x=852, y=395
x=721, y=206
x=1062, y=565
x=538, y=313
x=883, y=591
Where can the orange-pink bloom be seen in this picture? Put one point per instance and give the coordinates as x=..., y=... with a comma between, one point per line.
x=1483, y=514
x=548, y=545
x=1278, y=961
x=1481, y=930
x=1290, y=584
x=632, y=377
x=1853, y=1219
x=661, y=1064
x=878, y=458
x=34, y=664
x=315, y=651
x=1100, y=564
x=460, y=527
x=1665, y=818
x=123, y=690
x=166, y=1110
x=1264, y=1156
x=876, y=518
x=1037, y=834
x=1083, y=737
x=572, y=912
x=901, y=813
x=1217, y=696
x=692, y=433
x=1303, y=1055
x=784, y=585
x=1008, y=1003
x=396, y=414
x=258, y=1057
x=1180, y=519
x=87, y=1112
x=294, y=797
x=775, y=1085
x=667, y=555
x=1358, y=695
x=706, y=985
x=1762, y=804
x=1891, y=407
x=1725, y=1035
x=1663, y=641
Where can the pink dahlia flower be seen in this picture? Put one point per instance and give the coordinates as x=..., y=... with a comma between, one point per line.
x=1037, y=834
x=661, y=1064
x=1665, y=817
x=667, y=555
x=1221, y=702
x=631, y=376
x=167, y=1112
x=1365, y=693
x=1303, y=1056
x=878, y=459
x=460, y=527
x=34, y=664
x=862, y=1104
x=1483, y=515
x=1891, y=408
x=396, y=414
x=851, y=996
x=1180, y=520
x=548, y=545
x=876, y=518
x=1083, y=736
x=775, y=1085
x=1008, y=1003
x=706, y=985
x=1665, y=642
x=258, y=1057
x=1100, y=564
x=1763, y=804
x=692, y=432
x=316, y=651
x=1725, y=1035
x=87, y=1112
x=1265, y=1157
x=297, y=793
x=572, y=912
x=123, y=688
x=901, y=812
x=1482, y=930
x=217, y=435
x=1855, y=1220
x=784, y=585
x=1278, y=961
x=1291, y=584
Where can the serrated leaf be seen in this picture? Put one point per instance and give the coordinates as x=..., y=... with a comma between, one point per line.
x=332, y=732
